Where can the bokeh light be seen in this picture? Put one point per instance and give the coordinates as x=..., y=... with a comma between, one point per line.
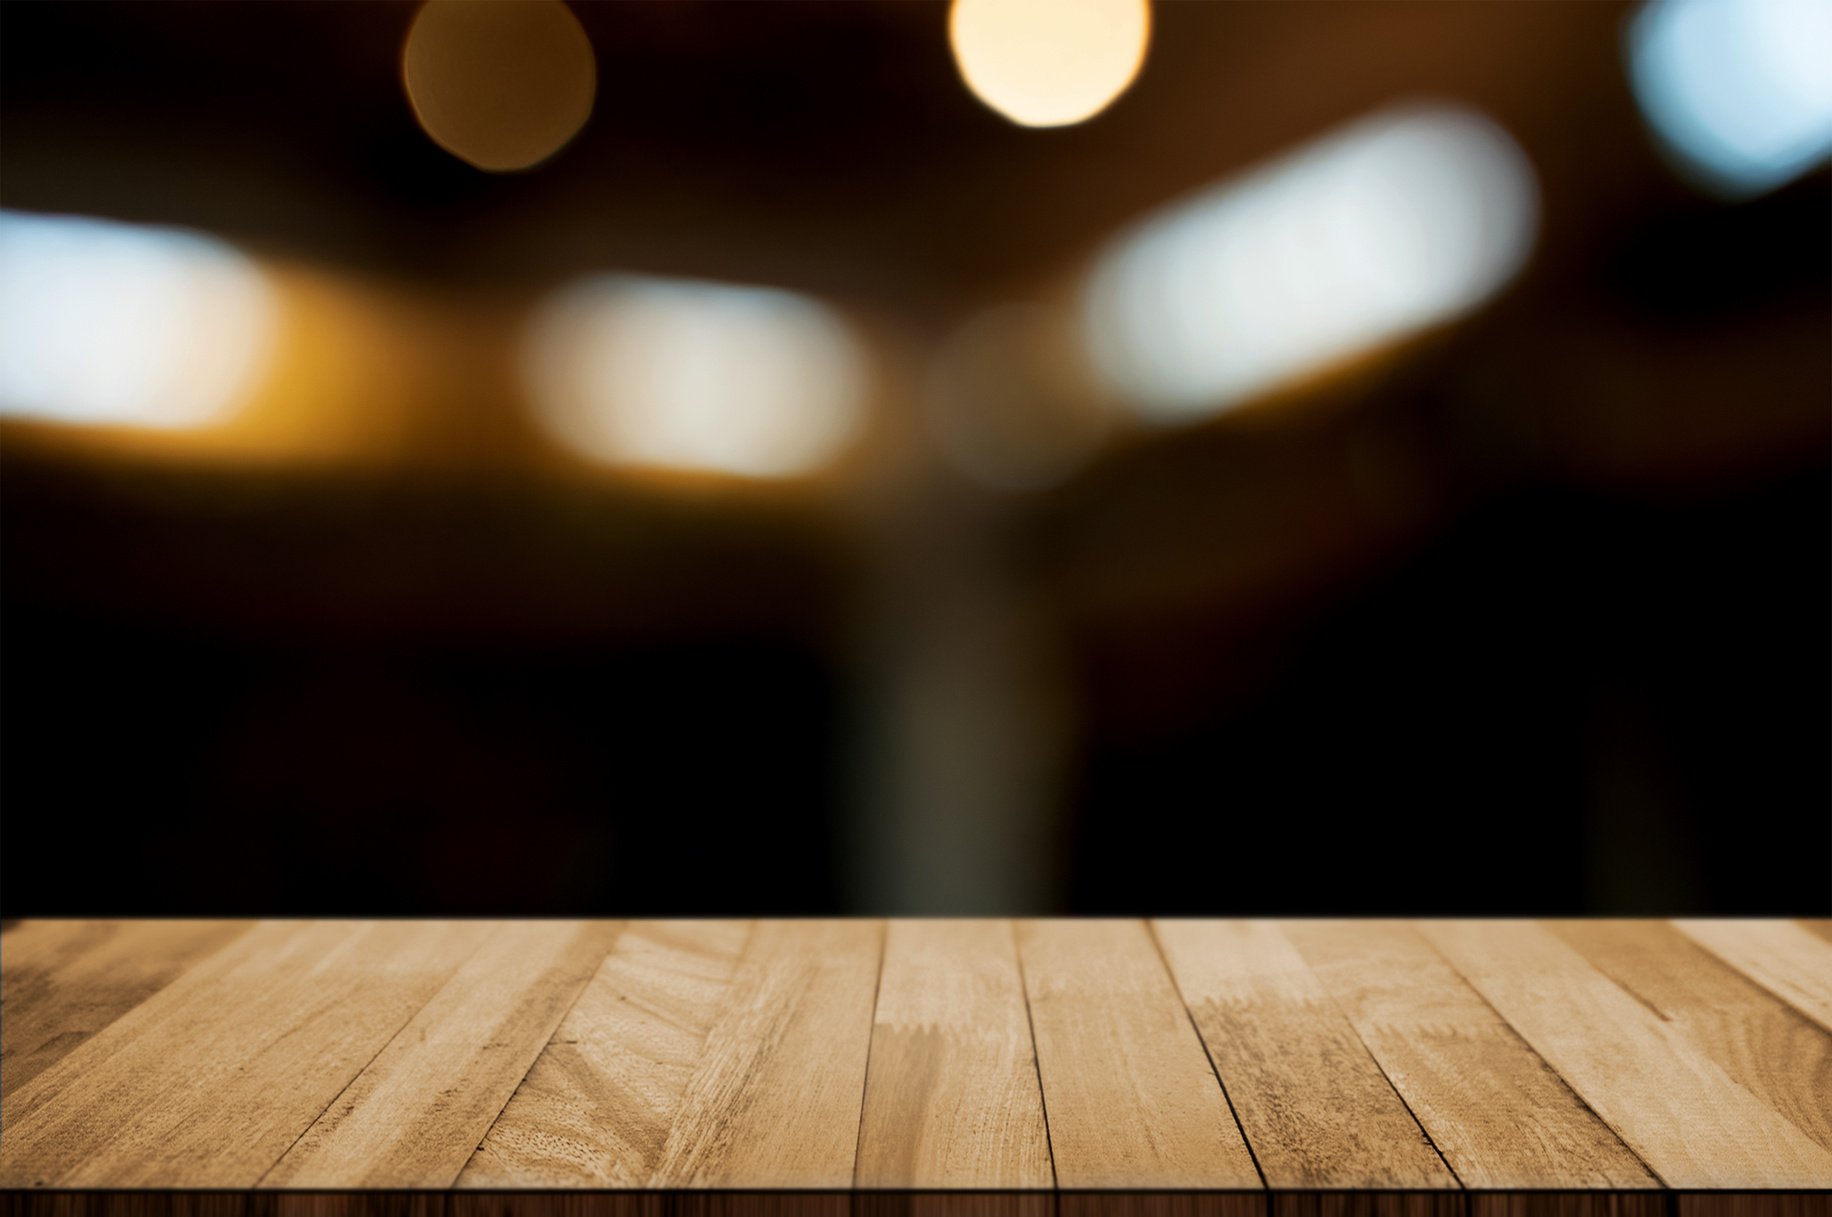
x=1739, y=91
x=688, y=375
x=502, y=84
x=1049, y=63
x=1404, y=219
x=104, y=323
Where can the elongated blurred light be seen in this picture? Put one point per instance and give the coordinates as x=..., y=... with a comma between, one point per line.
x=1740, y=91
x=682, y=374
x=1402, y=220
x=108, y=323
x=1049, y=63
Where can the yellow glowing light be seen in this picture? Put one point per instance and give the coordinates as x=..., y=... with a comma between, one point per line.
x=503, y=84
x=686, y=375
x=117, y=325
x=1049, y=63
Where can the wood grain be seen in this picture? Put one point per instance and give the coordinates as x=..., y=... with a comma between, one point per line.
x=595, y=1109
x=1500, y=1115
x=951, y=1095
x=171, y=1203
x=1128, y=1091
x=1758, y=1204
x=916, y=1068
x=1368, y=1204
x=1162, y=1204
x=1768, y=1047
x=1683, y=1115
x=210, y=1080
x=1783, y=957
x=416, y=1114
x=66, y=980
x=1315, y=1106
x=1570, y=1204
x=955, y=1203
x=776, y=1097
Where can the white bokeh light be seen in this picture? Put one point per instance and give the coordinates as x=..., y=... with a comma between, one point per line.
x=1739, y=91
x=1049, y=63
x=1402, y=220
x=116, y=324
x=682, y=374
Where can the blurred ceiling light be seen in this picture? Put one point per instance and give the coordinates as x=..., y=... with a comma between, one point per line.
x=682, y=374
x=1402, y=220
x=502, y=84
x=1009, y=402
x=1049, y=63
x=115, y=324
x=1739, y=91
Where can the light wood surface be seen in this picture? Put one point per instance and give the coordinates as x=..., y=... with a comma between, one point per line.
x=595, y=1109
x=1775, y=1052
x=952, y=1098
x=212, y=1079
x=1315, y=1106
x=1128, y=1091
x=1783, y=957
x=1501, y=1117
x=776, y=1097
x=416, y=1113
x=63, y=981
x=1174, y=1068
x=1690, y=1121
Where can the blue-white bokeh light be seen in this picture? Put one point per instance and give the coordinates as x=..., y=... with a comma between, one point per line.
x=1738, y=91
x=1397, y=222
x=103, y=323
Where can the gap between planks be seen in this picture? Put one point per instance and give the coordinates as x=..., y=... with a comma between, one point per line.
x=1249, y=977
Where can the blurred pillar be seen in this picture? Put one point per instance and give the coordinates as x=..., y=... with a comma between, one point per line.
x=963, y=716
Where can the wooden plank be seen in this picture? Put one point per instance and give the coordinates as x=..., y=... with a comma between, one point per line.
x=1783, y=957
x=210, y=1080
x=1128, y=1091
x=775, y=1100
x=957, y=1203
x=1693, y=1124
x=1773, y=1051
x=1250, y=1203
x=1570, y=1204
x=595, y=1109
x=951, y=1095
x=66, y=980
x=648, y=1204
x=1821, y=926
x=417, y=1113
x=1369, y=1204
x=1501, y=1116
x=166, y=1203
x=1753, y=1204
x=1314, y=1104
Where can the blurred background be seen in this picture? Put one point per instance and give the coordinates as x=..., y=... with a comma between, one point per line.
x=802, y=457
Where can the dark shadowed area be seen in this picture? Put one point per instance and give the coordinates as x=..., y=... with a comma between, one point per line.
x=1523, y=610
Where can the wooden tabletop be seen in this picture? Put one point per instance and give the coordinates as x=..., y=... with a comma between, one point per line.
x=1055, y=1057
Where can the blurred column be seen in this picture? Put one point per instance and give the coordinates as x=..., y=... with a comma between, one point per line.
x=963, y=713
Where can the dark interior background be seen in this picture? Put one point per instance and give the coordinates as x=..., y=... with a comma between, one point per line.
x=1532, y=617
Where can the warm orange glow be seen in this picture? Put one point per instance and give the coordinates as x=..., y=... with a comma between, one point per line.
x=503, y=84
x=1049, y=63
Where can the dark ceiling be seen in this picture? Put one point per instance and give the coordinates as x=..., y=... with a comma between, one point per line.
x=825, y=145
